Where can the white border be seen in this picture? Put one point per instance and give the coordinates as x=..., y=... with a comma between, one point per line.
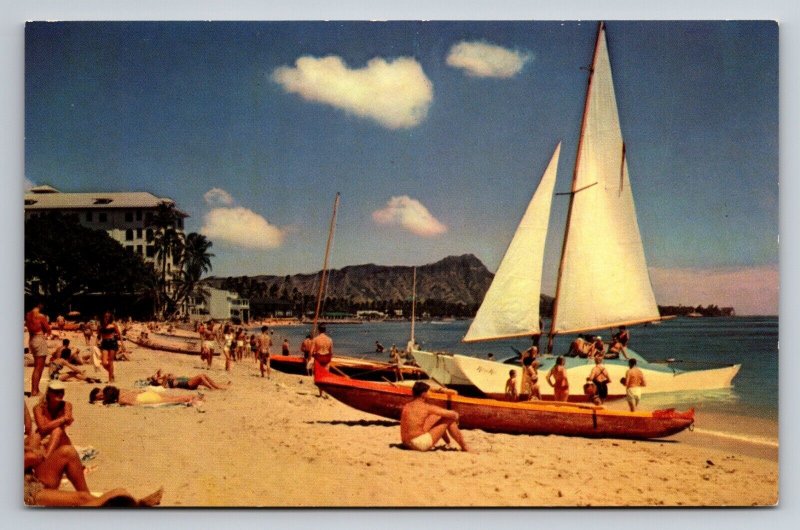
x=15, y=13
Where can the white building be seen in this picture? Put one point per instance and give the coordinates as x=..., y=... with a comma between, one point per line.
x=125, y=216
x=219, y=305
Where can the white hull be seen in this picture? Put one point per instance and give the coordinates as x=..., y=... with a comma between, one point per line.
x=490, y=378
x=441, y=368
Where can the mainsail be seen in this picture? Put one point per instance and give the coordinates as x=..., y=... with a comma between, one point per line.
x=511, y=305
x=603, y=280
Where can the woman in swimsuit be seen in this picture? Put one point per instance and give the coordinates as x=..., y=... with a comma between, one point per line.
x=226, y=339
x=109, y=337
x=530, y=379
x=187, y=383
x=557, y=378
x=111, y=394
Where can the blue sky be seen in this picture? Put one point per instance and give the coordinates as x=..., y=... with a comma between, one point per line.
x=435, y=134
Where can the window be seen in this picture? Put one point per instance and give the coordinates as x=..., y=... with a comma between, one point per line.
x=89, y=217
x=102, y=217
x=129, y=248
x=139, y=249
x=151, y=251
x=148, y=217
x=128, y=235
x=138, y=233
x=149, y=235
x=128, y=217
x=29, y=202
x=102, y=201
x=138, y=215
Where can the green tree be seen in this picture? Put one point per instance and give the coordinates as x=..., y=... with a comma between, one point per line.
x=168, y=243
x=64, y=259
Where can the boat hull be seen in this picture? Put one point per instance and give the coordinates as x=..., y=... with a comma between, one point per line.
x=355, y=368
x=568, y=419
x=490, y=378
x=441, y=368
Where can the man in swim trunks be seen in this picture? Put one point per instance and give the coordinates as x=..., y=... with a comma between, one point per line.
x=38, y=329
x=263, y=343
x=322, y=349
x=634, y=382
x=423, y=424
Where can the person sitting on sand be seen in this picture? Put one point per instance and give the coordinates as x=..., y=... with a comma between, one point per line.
x=66, y=352
x=43, y=474
x=557, y=378
x=423, y=424
x=62, y=370
x=634, y=382
x=53, y=415
x=378, y=347
x=511, y=386
x=184, y=382
x=111, y=394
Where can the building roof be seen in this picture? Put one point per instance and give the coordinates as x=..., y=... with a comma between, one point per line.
x=48, y=198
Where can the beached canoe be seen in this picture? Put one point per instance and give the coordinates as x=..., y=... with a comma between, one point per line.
x=174, y=345
x=530, y=417
x=362, y=369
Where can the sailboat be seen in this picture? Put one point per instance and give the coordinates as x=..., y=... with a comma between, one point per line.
x=603, y=280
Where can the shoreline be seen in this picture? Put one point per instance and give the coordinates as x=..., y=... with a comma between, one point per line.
x=273, y=442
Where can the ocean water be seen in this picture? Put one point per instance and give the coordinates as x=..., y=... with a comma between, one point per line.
x=696, y=344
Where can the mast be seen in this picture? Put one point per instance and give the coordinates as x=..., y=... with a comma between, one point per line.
x=551, y=335
x=324, y=271
x=413, y=310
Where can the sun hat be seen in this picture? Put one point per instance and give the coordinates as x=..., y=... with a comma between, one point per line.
x=56, y=385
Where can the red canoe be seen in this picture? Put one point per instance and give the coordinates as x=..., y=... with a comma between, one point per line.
x=530, y=417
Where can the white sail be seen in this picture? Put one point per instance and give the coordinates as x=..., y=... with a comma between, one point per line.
x=511, y=305
x=604, y=280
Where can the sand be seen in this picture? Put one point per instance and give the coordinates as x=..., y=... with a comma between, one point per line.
x=275, y=443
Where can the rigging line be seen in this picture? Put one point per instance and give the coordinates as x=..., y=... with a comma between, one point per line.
x=576, y=191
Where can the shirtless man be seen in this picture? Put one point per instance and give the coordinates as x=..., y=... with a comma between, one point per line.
x=633, y=381
x=423, y=424
x=264, y=342
x=53, y=415
x=305, y=347
x=38, y=329
x=322, y=349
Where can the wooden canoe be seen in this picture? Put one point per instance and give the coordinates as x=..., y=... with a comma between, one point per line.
x=531, y=417
x=363, y=369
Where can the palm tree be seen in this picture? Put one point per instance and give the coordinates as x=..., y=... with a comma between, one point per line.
x=168, y=242
x=196, y=258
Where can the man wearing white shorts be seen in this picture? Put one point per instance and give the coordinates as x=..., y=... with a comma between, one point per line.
x=423, y=424
x=634, y=382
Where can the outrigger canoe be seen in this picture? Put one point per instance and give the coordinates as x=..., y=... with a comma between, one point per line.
x=530, y=417
x=362, y=369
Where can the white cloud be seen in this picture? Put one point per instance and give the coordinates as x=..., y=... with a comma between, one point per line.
x=481, y=59
x=242, y=227
x=29, y=184
x=411, y=215
x=396, y=94
x=218, y=197
x=749, y=290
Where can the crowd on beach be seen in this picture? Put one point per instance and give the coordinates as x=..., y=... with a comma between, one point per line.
x=50, y=455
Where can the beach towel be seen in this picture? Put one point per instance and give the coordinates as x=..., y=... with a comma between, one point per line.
x=86, y=453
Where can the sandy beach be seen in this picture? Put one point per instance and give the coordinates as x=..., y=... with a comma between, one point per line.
x=275, y=443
